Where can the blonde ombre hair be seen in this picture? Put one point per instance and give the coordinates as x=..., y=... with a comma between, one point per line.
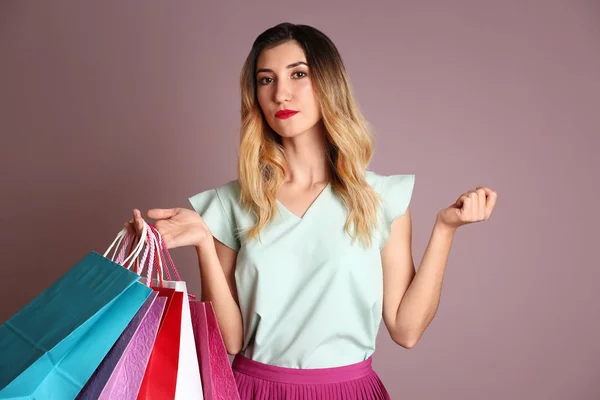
x=262, y=163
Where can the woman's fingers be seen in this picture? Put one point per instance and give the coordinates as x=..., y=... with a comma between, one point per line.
x=129, y=226
x=137, y=222
x=161, y=213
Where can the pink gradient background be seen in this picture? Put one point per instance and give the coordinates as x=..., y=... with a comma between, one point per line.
x=111, y=105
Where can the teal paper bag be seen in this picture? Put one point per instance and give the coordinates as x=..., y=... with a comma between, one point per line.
x=52, y=346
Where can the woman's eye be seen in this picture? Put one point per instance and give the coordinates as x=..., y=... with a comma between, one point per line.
x=266, y=80
x=299, y=74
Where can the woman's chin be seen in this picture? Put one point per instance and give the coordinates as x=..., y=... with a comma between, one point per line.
x=288, y=133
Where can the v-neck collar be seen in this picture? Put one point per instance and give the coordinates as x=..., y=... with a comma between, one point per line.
x=310, y=207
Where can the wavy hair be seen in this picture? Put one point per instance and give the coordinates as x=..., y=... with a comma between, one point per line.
x=262, y=162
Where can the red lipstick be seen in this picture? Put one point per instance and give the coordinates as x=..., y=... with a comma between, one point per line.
x=283, y=114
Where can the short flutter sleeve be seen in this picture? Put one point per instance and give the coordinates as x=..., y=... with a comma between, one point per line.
x=216, y=207
x=396, y=192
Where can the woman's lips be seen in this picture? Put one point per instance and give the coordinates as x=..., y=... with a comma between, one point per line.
x=283, y=114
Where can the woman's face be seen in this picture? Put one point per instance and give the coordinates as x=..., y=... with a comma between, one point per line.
x=283, y=82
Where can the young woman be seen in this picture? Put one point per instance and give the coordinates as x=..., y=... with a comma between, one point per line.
x=306, y=252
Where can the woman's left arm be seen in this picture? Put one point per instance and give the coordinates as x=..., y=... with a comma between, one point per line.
x=411, y=300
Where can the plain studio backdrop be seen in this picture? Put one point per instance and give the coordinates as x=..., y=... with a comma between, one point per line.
x=110, y=105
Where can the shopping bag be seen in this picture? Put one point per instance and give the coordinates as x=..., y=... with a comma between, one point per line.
x=217, y=380
x=217, y=377
x=52, y=346
x=160, y=378
x=188, y=381
x=119, y=376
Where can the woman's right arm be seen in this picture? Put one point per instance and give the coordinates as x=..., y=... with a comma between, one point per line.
x=217, y=275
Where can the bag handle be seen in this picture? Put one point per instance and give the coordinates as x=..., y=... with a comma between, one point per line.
x=137, y=250
x=158, y=260
x=146, y=242
x=170, y=266
x=165, y=259
x=152, y=249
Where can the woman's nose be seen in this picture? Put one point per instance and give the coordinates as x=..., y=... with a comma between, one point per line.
x=283, y=92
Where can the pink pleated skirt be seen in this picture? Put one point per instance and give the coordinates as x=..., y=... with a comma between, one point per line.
x=258, y=381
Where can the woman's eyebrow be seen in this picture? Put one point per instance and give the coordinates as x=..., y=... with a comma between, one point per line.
x=288, y=67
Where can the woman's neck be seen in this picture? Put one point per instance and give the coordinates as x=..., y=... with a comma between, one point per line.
x=307, y=158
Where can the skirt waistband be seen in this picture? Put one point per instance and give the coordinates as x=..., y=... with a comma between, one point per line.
x=303, y=376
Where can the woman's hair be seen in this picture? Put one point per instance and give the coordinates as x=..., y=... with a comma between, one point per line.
x=262, y=163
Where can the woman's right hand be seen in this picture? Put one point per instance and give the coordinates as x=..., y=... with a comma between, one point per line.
x=178, y=227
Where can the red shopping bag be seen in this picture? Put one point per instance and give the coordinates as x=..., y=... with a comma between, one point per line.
x=160, y=378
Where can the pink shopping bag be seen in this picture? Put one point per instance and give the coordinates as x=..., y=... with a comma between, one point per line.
x=217, y=377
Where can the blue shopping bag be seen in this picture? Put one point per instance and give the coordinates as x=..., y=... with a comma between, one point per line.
x=51, y=347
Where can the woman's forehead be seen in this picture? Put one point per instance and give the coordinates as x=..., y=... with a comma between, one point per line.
x=280, y=56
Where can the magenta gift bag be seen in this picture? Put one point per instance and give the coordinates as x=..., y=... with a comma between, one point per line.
x=218, y=382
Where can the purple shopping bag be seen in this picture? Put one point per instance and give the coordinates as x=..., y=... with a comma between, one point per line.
x=120, y=375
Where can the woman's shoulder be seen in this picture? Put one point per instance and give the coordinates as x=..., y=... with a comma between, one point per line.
x=229, y=190
x=227, y=194
x=396, y=192
x=382, y=183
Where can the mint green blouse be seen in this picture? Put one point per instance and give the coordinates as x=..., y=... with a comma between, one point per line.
x=309, y=298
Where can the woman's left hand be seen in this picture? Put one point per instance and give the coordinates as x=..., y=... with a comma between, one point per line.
x=473, y=206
